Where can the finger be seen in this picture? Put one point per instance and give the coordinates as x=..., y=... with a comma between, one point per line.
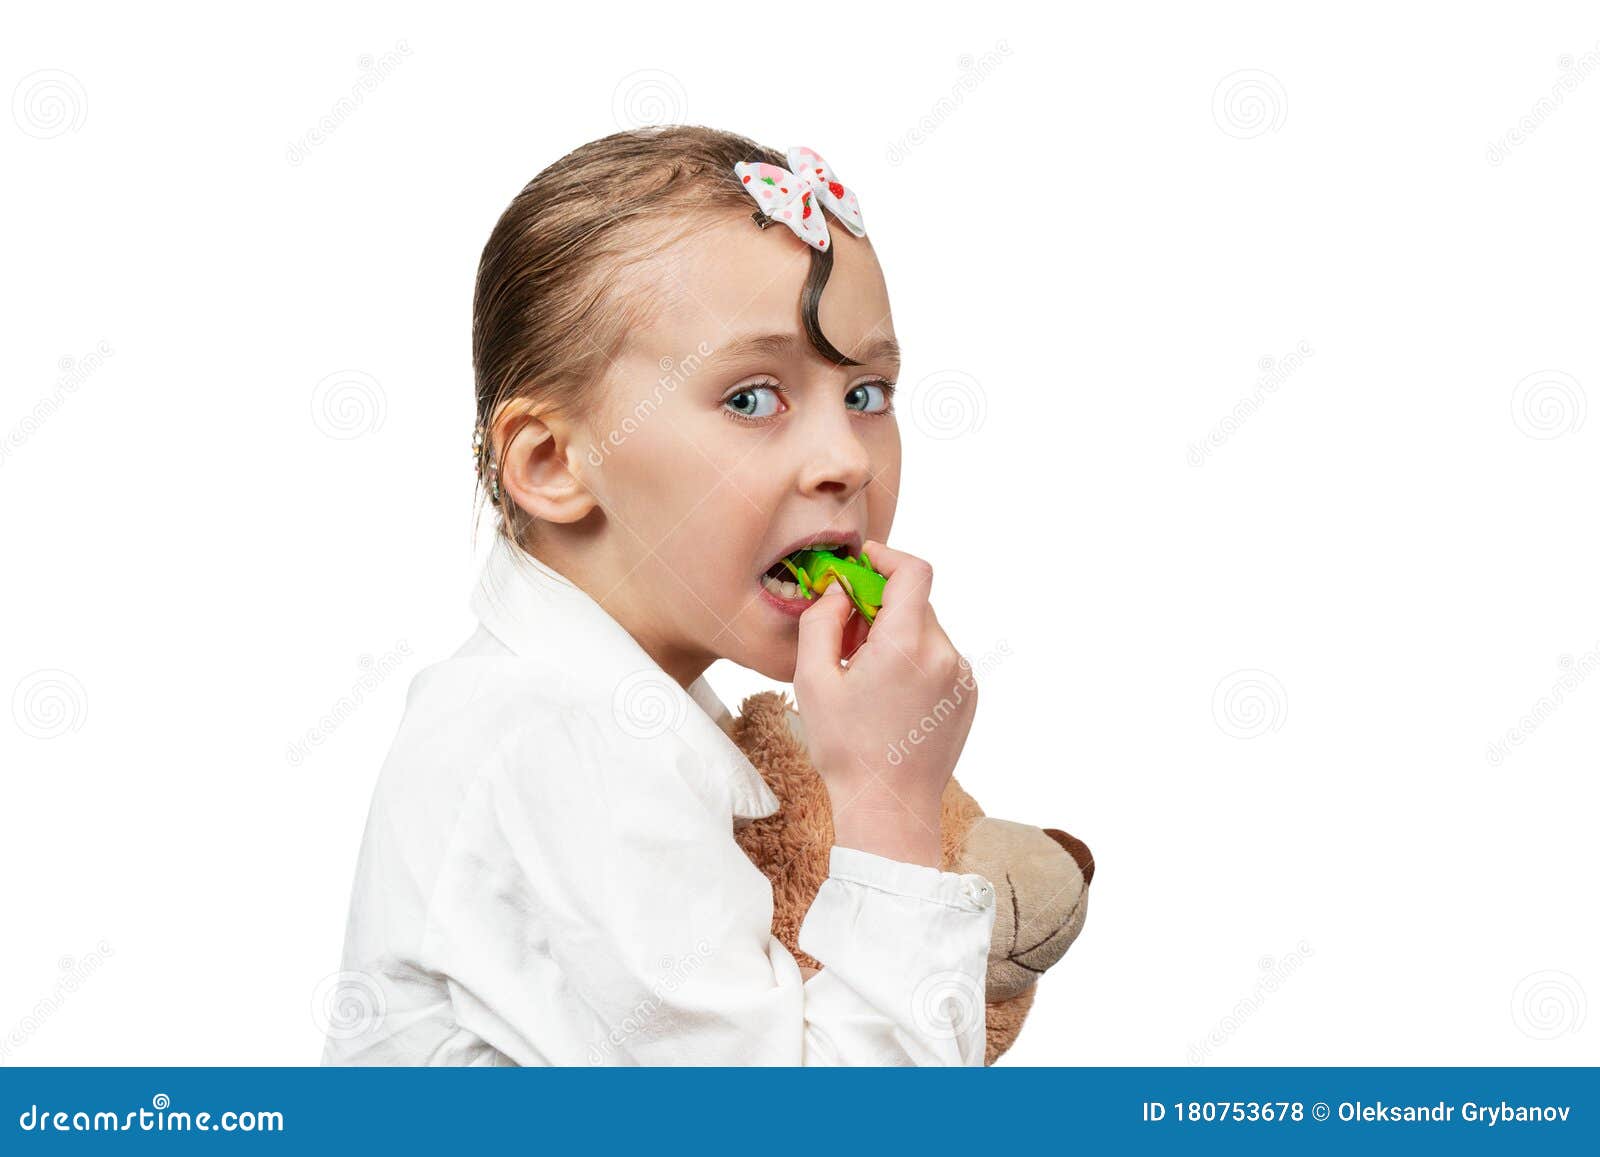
x=855, y=633
x=932, y=646
x=822, y=632
x=938, y=642
x=906, y=593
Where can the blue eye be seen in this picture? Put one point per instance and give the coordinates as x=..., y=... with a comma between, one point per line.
x=874, y=397
x=752, y=403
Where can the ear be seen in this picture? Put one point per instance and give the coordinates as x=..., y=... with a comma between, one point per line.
x=536, y=464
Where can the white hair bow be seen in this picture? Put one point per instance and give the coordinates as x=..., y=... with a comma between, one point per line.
x=796, y=198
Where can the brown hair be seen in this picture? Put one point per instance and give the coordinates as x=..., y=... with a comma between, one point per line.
x=547, y=315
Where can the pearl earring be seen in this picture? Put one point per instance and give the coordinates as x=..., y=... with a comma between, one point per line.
x=479, y=437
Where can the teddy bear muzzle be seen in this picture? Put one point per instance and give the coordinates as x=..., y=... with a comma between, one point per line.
x=1041, y=882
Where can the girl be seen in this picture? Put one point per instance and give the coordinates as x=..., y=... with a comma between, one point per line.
x=668, y=405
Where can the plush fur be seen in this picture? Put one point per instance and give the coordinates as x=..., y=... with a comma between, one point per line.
x=1040, y=875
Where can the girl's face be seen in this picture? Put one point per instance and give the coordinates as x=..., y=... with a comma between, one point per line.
x=729, y=441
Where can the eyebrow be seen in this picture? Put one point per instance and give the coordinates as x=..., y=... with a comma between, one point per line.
x=782, y=344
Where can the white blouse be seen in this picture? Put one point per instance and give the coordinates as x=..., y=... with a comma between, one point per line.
x=549, y=876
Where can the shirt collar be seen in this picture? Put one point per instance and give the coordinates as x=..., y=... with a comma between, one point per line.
x=539, y=614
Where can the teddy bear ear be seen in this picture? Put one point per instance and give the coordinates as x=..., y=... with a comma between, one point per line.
x=1075, y=848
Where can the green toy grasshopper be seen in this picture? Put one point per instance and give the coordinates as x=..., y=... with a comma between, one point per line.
x=813, y=570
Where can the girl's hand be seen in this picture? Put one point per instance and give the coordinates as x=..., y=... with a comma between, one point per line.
x=885, y=732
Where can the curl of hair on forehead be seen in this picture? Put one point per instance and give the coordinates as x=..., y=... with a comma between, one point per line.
x=550, y=307
x=811, y=302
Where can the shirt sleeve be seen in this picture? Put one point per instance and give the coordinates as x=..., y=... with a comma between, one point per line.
x=906, y=951
x=593, y=907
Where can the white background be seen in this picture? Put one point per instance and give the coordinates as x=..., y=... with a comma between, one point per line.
x=1262, y=687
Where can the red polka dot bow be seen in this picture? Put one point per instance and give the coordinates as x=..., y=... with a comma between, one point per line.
x=796, y=199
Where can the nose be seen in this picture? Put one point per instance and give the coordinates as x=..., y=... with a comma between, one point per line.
x=838, y=462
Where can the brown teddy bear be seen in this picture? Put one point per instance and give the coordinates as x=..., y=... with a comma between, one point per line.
x=1040, y=875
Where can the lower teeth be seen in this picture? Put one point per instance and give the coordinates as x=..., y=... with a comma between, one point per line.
x=783, y=588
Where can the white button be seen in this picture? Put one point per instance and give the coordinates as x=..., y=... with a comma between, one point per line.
x=980, y=891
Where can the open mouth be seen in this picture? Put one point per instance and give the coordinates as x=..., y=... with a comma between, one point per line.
x=781, y=581
x=782, y=577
